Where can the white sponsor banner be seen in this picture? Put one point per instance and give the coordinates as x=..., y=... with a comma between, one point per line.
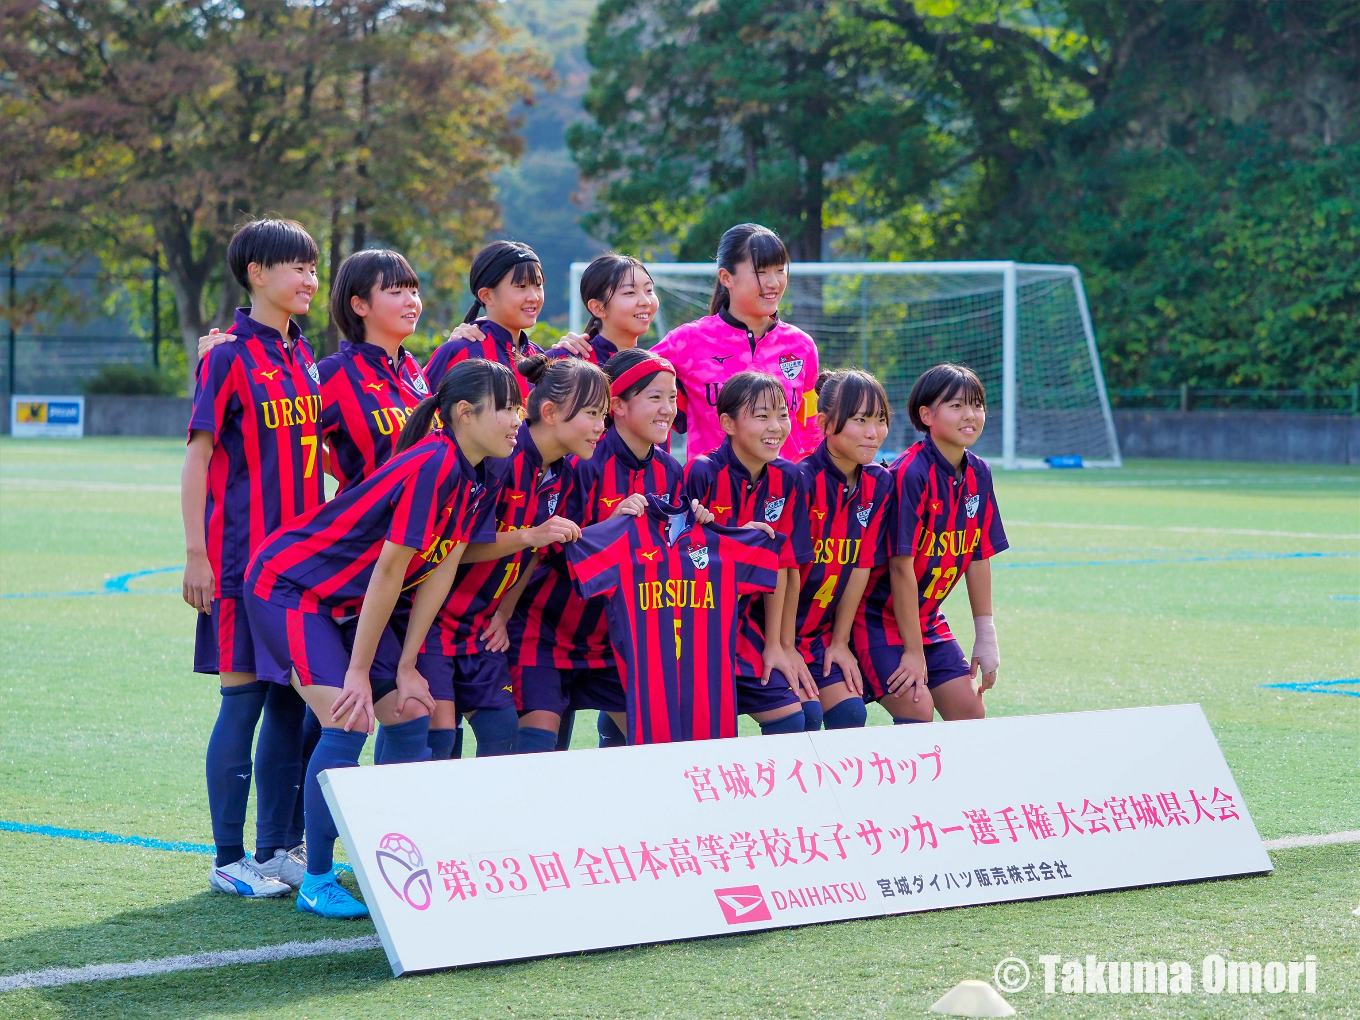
x=487, y=859
x=35, y=416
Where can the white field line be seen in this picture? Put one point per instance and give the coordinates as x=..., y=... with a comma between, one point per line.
x=193, y=961
x=1288, y=842
x=55, y=483
x=326, y=947
x=1187, y=530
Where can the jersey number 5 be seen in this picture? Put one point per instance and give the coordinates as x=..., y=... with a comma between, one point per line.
x=677, y=640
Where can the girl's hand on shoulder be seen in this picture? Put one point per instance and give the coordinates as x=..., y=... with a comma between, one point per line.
x=198, y=582
x=702, y=515
x=467, y=331
x=355, y=705
x=496, y=635
x=554, y=529
x=631, y=506
x=760, y=526
x=839, y=655
x=213, y=339
x=577, y=343
x=411, y=686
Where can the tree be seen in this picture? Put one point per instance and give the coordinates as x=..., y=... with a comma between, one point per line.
x=164, y=124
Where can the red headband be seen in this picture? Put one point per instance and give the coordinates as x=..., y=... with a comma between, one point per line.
x=639, y=371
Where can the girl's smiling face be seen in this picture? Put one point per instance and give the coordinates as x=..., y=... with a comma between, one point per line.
x=649, y=414
x=759, y=432
x=389, y=312
x=514, y=305
x=631, y=307
x=581, y=434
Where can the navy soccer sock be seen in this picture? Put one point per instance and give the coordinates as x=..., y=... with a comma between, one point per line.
x=564, y=731
x=496, y=730
x=379, y=744
x=440, y=743
x=408, y=741
x=335, y=750
x=812, y=715
x=278, y=769
x=610, y=734
x=311, y=733
x=457, y=751
x=229, y=768
x=903, y=722
x=532, y=740
x=846, y=715
x=795, y=723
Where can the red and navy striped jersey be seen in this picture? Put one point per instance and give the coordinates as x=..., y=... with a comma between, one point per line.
x=846, y=523
x=721, y=483
x=944, y=520
x=366, y=397
x=262, y=403
x=322, y=562
x=496, y=345
x=553, y=626
x=525, y=494
x=672, y=587
x=601, y=350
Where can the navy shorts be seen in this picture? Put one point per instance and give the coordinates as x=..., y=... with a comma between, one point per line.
x=223, y=642
x=469, y=681
x=944, y=662
x=753, y=698
x=317, y=646
x=546, y=689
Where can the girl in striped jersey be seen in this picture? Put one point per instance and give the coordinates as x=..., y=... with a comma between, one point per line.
x=322, y=590
x=618, y=292
x=563, y=656
x=465, y=654
x=943, y=526
x=506, y=282
x=847, y=496
x=745, y=482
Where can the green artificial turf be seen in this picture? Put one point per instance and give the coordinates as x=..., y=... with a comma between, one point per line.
x=1161, y=583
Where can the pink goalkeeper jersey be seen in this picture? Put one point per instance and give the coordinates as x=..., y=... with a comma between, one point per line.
x=709, y=351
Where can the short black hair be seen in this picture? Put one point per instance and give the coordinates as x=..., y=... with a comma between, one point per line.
x=628, y=358
x=847, y=392
x=745, y=389
x=358, y=276
x=944, y=382
x=269, y=243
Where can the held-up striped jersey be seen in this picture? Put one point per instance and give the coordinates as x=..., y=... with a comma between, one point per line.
x=721, y=483
x=323, y=561
x=846, y=525
x=672, y=588
x=943, y=520
x=366, y=397
x=525, y=494
x=496, y=345
x=553, y=626
x=262, y=404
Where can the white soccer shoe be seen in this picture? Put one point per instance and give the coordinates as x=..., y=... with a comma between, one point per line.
x=244, y=879
x=287, y=866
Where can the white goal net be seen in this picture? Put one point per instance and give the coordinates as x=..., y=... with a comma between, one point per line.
x=1025, y=329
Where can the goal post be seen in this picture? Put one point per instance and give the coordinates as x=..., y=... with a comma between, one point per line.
x=1024, y=328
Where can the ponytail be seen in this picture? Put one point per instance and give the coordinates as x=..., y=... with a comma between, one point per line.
x=746, y=242
x=602, y=278
x=496, y=261
x=571, y=384
x=477, y=381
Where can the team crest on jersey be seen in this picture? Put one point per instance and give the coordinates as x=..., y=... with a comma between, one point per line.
x=862, y=513
x=552, y=504
x=316, y=376
x=971, y=505
x=773, y=508
x=698, y=555
x=419, y=384
x=790, y=366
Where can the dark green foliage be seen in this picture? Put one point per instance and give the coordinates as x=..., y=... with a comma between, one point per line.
x=135, y=380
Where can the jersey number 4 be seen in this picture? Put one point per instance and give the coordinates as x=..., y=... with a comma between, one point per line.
x=827, y=591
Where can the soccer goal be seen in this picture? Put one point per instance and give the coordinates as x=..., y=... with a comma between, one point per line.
x=1025, y=329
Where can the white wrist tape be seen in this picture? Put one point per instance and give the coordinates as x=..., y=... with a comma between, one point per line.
x=984, y=644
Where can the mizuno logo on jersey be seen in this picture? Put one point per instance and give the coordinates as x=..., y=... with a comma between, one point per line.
x=609, y=501
x=720, y=509
x=675, y=594
x=265, y=374
x=773, y=508
x=790, y=366
x=971, y=505
x=514, y=497
x=720, y=358
x=819, y=514
x=376, y=387
x=649, y=555
x=934, y=506
x=862, y=513
x=699, y=557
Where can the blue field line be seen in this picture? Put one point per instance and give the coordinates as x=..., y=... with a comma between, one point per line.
x=1319, y=687
x=113, y=837
x=1223, y=558
x=1346, y=598
x=113, y=586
